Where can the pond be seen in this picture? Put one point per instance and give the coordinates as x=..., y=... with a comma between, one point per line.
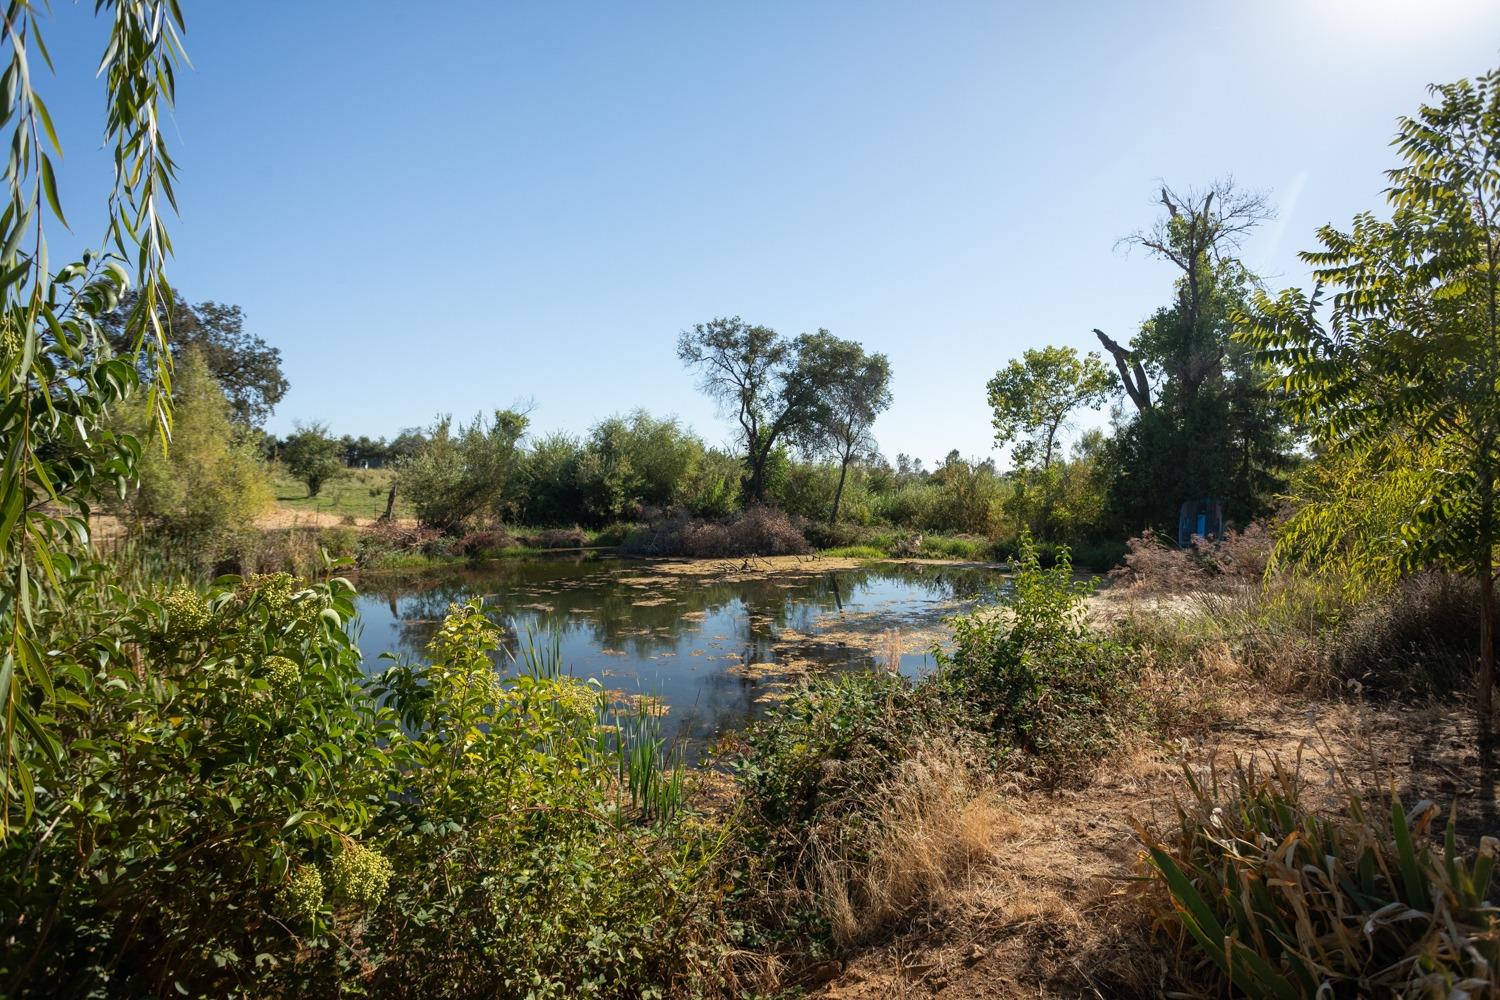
x=716, y=642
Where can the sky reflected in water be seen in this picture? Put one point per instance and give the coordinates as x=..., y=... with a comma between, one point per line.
x=715, y=648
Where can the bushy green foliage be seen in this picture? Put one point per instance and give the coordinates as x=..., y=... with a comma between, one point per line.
x=1042, y=680
x=1281, y=902
x=461, y=472
x=209, y=745
x=517, y=872
x=245, y=366
x=623, y=468
x=210, y=483
x=1202, y=423
x=1396, y=378
x=807, y=773
x=1033, y=397
x=312, y=456
x=245, y=817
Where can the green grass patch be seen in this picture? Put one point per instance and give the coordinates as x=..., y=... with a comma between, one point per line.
x=855, y=552
x=357, y=493
x=967, y=547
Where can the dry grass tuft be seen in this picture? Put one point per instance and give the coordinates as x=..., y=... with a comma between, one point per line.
x=933, y=827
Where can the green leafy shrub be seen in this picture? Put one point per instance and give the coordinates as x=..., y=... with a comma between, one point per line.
x=464, y=472
x=822, y=535
x=210, y=748
x=1274, y=900
x=517, y=873
x=231, y=810
x=1042, y=679
x=210, y=485
x=613, y=535
x=810, y=773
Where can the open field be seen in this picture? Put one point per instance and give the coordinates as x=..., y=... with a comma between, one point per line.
x=357, y=493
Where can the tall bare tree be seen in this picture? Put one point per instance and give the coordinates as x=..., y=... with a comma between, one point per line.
x=1200, y=233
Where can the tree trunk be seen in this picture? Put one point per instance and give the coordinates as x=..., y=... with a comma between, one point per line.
x=838, y=494
x=390, y=505
x=1486, y=646
x=1132, y=373
x=755, y=489
x=1486, y=566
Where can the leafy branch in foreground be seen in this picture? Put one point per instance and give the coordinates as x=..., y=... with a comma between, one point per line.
x=56, y=454
x=1399, y=370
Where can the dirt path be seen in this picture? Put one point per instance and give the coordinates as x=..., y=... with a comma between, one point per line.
x=1043, y=919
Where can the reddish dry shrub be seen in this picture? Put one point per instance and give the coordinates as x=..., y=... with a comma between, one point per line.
x=758, y=531
x=391, y=536
x=480, y=543
x=1155, y=564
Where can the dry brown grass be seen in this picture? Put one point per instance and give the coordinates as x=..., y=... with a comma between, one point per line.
x=936, y=822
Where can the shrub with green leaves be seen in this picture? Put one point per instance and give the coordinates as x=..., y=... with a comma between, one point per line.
x=809, y=773
x=518, y=873
x=232, y=810
x=210, y=484
x=1273, y=899
x=1042, y=680
x=213, y=750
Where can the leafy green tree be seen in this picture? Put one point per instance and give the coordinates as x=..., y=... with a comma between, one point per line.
x=712, y=487
x=313, y=456
x=858, y=390
x=1400, y=368
x=1033, y=397
x=245, y=366
x=968, y=496
x=772, y=385
x=1032, y=400
x=632, y=462
x=463, y=471
x=549, y=481
x=210, y=482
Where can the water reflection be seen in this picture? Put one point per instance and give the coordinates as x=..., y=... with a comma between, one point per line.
x=710, y=646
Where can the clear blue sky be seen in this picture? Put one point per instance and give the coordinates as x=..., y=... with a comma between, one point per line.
x=454, y=206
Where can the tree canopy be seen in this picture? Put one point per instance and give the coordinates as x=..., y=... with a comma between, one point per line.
x=1033, y=397
x=464, y=469
x=209, y=483
x=245, y=366
x=775, y=388
x=313, y=456
x=858, y=391
x=1202, y=423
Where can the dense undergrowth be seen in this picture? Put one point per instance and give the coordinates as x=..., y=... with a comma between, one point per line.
x=233, y=809
x=237, y=809
x=1279, y=899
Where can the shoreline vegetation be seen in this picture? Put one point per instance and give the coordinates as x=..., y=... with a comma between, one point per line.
x=1262, y=763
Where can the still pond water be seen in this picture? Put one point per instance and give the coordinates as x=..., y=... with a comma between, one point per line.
x=718, y=644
